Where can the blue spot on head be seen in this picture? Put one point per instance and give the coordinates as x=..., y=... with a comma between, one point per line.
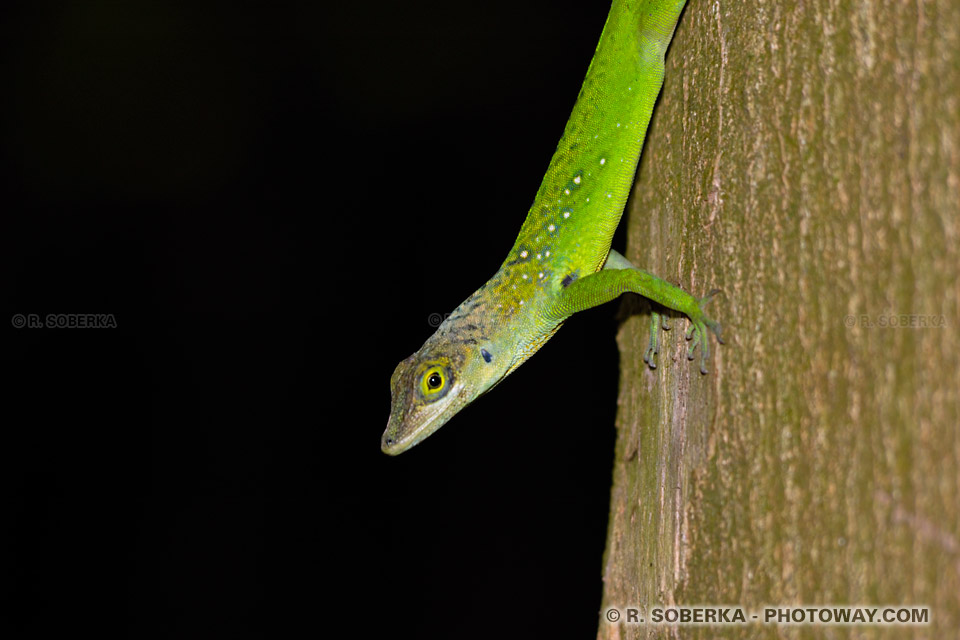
x=486, y=355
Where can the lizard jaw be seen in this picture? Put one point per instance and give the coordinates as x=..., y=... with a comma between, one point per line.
x=394, y=441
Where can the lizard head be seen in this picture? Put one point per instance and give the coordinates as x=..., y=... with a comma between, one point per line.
x=432, y=385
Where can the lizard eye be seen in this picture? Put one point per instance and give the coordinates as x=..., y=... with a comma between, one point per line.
x=433, y=382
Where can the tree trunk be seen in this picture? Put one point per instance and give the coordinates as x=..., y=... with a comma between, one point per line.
x=805, y=158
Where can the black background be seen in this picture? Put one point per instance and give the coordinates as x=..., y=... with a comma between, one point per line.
x=272, y=201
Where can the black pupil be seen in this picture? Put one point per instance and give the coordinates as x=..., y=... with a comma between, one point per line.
x=434, y=380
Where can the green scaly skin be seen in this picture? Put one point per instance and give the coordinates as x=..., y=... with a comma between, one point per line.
x=562, y=262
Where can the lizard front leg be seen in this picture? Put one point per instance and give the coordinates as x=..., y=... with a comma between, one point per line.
x=619, y=276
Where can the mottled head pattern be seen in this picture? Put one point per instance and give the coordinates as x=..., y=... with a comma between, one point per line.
x=457, y=364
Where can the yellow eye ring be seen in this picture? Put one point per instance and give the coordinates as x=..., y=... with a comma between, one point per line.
x=433, y=381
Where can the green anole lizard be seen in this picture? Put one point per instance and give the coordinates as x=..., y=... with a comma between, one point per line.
x=561, y=262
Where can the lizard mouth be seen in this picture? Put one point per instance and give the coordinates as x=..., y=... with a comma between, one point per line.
x=393, y=443
x=396, y=439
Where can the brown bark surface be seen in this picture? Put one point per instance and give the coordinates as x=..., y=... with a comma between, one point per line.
x=804, y=158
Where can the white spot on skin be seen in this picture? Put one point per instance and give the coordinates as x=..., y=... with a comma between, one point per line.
x=547, y=254
x=566, y=214
x=603, y=161
x=618, y=125
x=523, y=254
x=540, y=275
x=576, y=180
x=539, y=255
x=524, y=276
x=521, y=302
x=566, y=191
x=609, y=195
x=551, y=228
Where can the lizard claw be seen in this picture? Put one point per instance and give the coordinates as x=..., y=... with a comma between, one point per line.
x=654, y=348
x=699, y=324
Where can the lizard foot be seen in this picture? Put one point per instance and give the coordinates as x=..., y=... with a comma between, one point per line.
x=697, y=333
x=657, y=321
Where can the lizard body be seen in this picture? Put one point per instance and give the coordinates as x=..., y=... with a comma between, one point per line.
x=561, y=262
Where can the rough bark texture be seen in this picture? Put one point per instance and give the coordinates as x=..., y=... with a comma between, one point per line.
x=805, y=158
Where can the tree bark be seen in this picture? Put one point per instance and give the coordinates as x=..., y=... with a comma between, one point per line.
x=805, y=158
